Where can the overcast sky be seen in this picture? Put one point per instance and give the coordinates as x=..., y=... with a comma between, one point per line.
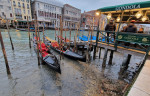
x=87, y=5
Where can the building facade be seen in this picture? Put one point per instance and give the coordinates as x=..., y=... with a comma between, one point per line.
x=48, y=12
x=71, y=16
x=90, y=19
x=5, y=10
x=21, y=10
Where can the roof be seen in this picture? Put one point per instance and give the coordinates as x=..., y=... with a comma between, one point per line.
x=53, y=2
x=72, y=6
x=136, y=5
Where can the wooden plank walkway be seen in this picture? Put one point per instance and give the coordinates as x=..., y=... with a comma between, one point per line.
x=111, y=47
x=141, y=86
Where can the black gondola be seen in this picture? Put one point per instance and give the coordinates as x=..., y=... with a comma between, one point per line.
x=47, y=56
x=65, y=51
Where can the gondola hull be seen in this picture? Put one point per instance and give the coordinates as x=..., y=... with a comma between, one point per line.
x=67, y=53
x=48, y=59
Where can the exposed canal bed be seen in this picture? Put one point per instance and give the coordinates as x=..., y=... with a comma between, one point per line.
x=77, y=78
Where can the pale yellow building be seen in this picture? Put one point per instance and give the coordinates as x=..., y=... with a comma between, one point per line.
x=21, y=10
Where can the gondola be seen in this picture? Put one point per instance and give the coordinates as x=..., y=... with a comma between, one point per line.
x=68, y=53
x=46, y=55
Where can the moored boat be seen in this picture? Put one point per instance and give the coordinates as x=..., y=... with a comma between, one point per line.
x=46, y=55
x=68, y=53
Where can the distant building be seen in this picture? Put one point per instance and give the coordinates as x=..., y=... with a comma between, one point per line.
x=48, y=12
x=71, y=16
x=5, y=10
x=21, y=10
x=87, y=20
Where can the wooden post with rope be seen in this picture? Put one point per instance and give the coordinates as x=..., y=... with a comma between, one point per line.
x=4, y=53
x=38, y=57
x=29, y=32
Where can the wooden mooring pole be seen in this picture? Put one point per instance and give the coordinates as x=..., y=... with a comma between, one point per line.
x=4, y=53
x=100, y=52
x=38, y=56
x=70, y=37
x=111, y=57
x=61, y=36
x=43, y=33
x=125, y=63
x=55, y=31
x=105, y=58
x=29, y=32
x=9, y=34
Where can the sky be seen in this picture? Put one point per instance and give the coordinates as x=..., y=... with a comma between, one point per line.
x=87, y=5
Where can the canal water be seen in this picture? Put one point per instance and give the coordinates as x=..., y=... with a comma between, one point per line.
x=77, y=78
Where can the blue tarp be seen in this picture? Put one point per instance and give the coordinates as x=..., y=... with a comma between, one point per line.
x=85, y=38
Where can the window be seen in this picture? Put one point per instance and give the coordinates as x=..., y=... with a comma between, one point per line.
x=14, y=3
x=28, y=11
x=3, y=13
x=38, y=5
x=19, y=4
x=8, y=1
x=24, y=11
x=67, y=11
x=10, y=14
x=27, y=1
x=9, y=8
x=22, y=0
x=24, y=17
x=29, y=17
x=23, y=5
x=1, y=6
x=28, y=6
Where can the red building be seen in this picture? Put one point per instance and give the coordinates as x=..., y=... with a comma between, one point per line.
x=89, y=19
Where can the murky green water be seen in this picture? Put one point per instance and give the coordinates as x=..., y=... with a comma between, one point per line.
x=77, y=78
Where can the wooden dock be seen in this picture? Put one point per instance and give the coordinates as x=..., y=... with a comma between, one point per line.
x=111, y=47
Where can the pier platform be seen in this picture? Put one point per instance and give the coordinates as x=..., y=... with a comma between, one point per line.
x=141, y=87
x=111, y=47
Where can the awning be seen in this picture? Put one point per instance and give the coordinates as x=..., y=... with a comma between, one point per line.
x=137, y=5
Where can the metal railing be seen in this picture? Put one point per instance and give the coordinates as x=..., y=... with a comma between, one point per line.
x=136, y=41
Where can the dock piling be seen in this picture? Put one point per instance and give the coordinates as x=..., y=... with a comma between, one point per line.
x=29, y=32
x=100, y=52
x=111, y=57
x=38, y=57
x=9, y=34
x=105, y=58
x=4, y=53
x=125, y=63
